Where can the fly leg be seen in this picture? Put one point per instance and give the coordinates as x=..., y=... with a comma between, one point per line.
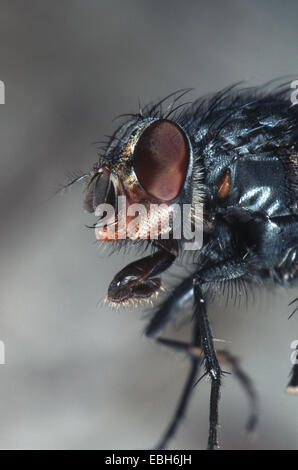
x=211, y=363
x=225, y=358
x=182, y=294
x=186, y=393
x=227, y=270
x=171, y=307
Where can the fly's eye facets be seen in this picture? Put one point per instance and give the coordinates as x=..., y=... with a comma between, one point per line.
x=161, y=159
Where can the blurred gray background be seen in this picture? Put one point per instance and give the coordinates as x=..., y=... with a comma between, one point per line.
x=80, y=375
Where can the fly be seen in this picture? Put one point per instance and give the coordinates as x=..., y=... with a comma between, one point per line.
x=234, y=153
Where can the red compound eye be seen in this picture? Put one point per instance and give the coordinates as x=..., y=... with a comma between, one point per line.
x=161, y=159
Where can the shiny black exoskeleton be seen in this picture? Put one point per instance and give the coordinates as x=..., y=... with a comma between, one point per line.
x=258, y=148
